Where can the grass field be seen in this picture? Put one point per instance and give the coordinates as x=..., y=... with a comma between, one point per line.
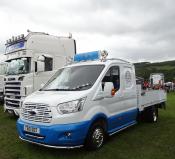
x=143, y=141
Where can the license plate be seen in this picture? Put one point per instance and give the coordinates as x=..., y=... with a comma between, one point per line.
x=31, y=129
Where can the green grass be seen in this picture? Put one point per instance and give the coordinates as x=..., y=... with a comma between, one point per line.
x=143, y=141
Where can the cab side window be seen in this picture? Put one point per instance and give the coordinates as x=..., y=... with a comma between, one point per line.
x=113, y=76
x=48, y=64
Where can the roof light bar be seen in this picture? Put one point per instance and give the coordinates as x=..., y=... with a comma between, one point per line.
x=88, y=56
x=15, y=39
x=91, y=56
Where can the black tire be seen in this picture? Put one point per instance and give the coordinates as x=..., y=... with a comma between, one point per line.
x=151, y=114
x=96, y=135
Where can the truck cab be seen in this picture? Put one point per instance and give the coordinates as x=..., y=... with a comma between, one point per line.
x=31, y=61
x=83, y=102
x=157, y=80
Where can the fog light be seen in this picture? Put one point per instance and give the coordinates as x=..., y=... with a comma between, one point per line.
x=68, y=134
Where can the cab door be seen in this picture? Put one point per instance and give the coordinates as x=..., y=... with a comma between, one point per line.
x=122, y=106
x=115, y=104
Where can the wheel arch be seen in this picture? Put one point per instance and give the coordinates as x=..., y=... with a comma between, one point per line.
x=99, y=117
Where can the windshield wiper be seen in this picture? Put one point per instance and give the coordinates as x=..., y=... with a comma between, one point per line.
x=68, y=89
x=56, y=89
x=82, y=86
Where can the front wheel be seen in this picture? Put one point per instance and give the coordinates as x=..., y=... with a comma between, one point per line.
x=96, y=136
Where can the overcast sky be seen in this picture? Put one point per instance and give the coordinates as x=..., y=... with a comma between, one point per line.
x=136, y=30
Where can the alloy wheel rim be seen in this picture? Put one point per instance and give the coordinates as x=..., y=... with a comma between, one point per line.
x=98, y=137
x=154, y=116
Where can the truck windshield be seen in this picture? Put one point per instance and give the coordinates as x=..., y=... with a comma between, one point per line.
x=74, y=78
x=18, y=66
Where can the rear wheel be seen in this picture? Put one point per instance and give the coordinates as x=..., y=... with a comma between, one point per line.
x=151, y=114
x=154, y=116
x=96, y=136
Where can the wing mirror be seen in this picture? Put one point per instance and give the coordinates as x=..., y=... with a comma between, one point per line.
x=41, y=58
x=105, y=90
x=40, y=66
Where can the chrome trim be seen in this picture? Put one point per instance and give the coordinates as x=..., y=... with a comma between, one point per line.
x=12, y=90
x=12, y=99
x=8, y=85
x=122, y=129
x=34, y=136
x=42, y=111
x=11, y=108
x=12, y=94
x=14, y=109
x=50, y=146
x=14, y=81
x=16, y=105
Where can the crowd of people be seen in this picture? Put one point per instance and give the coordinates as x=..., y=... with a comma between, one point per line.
x=169, y=86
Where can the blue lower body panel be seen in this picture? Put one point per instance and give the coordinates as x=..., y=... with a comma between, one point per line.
x=56, y=135
x=122, y=120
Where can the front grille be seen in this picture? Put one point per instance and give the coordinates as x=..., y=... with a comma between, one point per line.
x=36, y=112
x=11, y=79
x=12, y=103
x=12, y=93
x=13, y=83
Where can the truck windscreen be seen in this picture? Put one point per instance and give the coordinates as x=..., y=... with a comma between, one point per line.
x=18, y=66
x=74, y=78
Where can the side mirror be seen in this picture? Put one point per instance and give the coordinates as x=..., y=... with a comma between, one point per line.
x=104, y=91
x=109, y=90
x=40, y=66
x=41, y=58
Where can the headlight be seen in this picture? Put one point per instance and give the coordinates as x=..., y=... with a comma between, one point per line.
x=21, y=78
x=71, y=107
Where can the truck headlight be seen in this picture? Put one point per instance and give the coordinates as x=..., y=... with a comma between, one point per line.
x=71, y=107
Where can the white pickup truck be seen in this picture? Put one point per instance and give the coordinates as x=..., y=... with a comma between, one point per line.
x=85, y=101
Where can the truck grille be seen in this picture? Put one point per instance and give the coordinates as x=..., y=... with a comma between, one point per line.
x=12, y=93
x=36, y=112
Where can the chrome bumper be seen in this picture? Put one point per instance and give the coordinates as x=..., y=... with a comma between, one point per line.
x=50, y=146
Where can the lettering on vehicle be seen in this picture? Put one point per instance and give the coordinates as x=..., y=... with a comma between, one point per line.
x=128, y=79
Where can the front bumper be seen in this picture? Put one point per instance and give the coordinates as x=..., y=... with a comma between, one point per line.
x=56, y=136
x=12, y=110
x=1, y=97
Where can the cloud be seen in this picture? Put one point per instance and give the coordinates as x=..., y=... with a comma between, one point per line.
x=134, y=30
